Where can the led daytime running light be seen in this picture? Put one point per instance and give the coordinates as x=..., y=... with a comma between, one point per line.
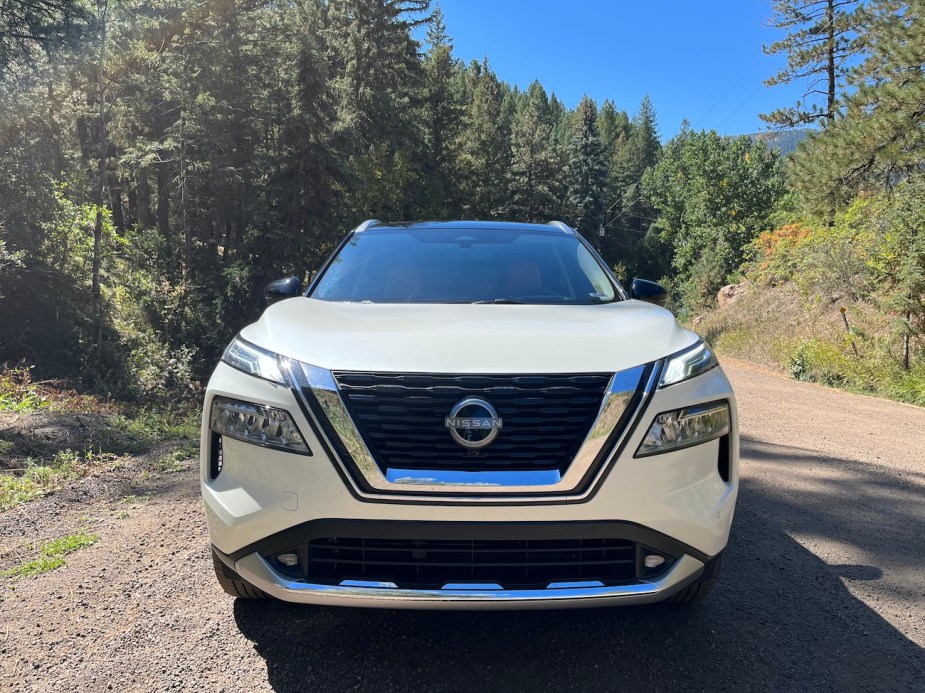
x=250, y=358
x=688, y=364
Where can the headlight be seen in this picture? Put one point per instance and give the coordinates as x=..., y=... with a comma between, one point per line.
x=252, y=359
x=256, y=423
x=682, y=428
x=688, y=364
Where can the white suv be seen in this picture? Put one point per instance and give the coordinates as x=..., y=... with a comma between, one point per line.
x=468, y=415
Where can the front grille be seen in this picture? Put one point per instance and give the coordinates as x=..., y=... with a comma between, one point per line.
x=401, y=418
x=432, y=563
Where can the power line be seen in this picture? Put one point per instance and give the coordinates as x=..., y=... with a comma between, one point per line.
x=736, y=109
x=747, y=72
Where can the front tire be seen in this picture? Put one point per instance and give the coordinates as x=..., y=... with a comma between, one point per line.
x=697, y=591
x=233, y=583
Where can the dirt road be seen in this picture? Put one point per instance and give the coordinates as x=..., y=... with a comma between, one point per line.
x=823, y=587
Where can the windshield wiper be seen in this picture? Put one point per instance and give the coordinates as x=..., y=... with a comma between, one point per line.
x=509, y=301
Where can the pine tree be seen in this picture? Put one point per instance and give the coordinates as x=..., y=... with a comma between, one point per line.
x=533, y=160
x=561, y=122
x=645, y=133
x=587, y=170
x=29, y=28
x=302, y=192
x=881, y=137
x=486, y=148
x=612, y=125
x=898, y=263
x=377, y=79
x=631, y=158
x=377, y=69
x=442, y=113
x=821, y=41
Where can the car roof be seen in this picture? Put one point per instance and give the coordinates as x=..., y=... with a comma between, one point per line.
x=511, y=226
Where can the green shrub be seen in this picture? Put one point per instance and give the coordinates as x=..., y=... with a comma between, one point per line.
x=819, y=361
x=705, y=278
x=18, y=393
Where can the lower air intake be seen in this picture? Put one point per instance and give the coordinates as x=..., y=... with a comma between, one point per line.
x=432, y=563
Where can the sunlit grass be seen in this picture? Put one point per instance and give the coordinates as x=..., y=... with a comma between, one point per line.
x=17, y=392
x=42, y=477
x=51, y=555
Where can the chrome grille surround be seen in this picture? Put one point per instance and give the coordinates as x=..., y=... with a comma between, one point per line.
x=624, y=398
x=541, y=420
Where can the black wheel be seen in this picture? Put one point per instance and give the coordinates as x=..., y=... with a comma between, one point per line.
x=233, y=583
x=697, y=591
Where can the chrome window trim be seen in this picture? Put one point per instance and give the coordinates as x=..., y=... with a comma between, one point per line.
x=479, y=487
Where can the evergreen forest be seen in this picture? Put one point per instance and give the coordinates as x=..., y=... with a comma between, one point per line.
x=162, y=160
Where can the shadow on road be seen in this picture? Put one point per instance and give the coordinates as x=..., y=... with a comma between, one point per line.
x=875, y=510
x=780, y=619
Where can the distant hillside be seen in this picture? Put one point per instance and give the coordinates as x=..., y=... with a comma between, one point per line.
x=785, y=140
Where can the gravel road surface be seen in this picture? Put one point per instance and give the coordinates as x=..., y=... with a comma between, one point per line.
x=823, y=587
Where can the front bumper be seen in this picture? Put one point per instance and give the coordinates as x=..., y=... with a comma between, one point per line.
x=257, y=571
x=261, y=492
x=467, y=565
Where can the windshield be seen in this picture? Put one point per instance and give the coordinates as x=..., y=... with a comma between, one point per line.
x=461, y=265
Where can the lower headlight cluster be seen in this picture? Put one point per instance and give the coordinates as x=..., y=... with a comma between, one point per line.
x=256, y=423
x=682, y=428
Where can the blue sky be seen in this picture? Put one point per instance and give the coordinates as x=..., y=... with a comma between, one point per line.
x=700, y=60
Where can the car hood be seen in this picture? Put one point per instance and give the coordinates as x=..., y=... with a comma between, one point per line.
x=469, y=338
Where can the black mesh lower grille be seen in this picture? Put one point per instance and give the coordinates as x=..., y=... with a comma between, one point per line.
x=401, y=417
x=433, y=563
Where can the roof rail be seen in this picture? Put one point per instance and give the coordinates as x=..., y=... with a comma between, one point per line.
x=365, y=225
x=562, y=226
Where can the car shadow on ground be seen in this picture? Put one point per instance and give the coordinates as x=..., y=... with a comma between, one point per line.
x=779, y=619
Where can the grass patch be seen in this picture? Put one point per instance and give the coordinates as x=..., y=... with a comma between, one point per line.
x=173, y=462
x=142, y=478
x=51, y=555
x=130, y=502
x=42, y=477
x=145, y=428
x=33, y=458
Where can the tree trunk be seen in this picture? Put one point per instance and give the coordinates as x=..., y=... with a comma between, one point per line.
x=131, y=218
x=229, y=239
x=830, y=60
x=187, y=224
x=115, y=203
x=240, y=216
x=184, y=189
x=163, y=203
x=830, y=76
x=143, y=204
x=55, y=132
x=103, y=6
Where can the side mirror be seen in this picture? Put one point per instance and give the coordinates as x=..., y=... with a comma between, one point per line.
x=282, y=288
x=648, y=291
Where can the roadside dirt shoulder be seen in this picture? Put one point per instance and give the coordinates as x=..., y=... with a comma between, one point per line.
x=847, y=475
